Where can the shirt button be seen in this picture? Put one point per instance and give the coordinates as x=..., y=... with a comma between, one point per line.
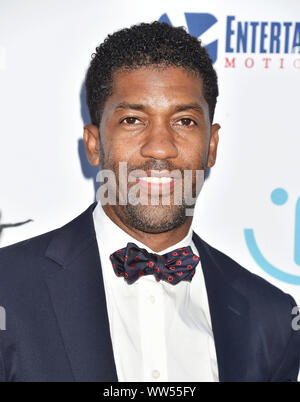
x=155, y=374
x=152, y=299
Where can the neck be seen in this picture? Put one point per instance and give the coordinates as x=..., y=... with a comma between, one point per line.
x=155, y=241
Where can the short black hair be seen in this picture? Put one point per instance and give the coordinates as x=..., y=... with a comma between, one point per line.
x=147, y=44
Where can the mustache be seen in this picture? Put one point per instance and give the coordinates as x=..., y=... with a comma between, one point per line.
x=155, y=164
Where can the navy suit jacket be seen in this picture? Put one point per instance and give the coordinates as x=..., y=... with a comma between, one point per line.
x=57, y=327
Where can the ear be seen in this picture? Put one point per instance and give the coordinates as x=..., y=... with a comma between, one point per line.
x=213, y=145
x=91, y=143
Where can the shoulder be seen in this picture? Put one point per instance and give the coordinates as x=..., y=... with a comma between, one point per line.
x=260, y=291
x=273, y=313
x=21, y=263
x=21, y=260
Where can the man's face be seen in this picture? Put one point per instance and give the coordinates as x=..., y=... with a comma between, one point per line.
x=157, y=121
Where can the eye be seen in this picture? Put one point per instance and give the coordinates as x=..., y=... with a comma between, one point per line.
x=130, y=120
x=187, y=122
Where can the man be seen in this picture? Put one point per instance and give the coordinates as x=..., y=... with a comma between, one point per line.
x=127, y=291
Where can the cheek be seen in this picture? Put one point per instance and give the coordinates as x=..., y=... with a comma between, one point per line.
x=194, y=154
x=113, y=143
x=120, y=149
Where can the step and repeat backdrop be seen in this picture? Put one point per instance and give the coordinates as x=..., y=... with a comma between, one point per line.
x=249, y=206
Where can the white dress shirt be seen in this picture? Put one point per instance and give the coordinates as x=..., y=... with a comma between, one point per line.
x=159, y=331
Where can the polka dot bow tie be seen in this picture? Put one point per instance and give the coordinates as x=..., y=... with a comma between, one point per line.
x=133, y=262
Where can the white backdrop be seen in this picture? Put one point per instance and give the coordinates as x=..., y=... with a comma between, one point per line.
x=45, y=48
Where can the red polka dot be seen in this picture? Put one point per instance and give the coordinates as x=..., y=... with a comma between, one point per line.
x=185, y=252
x=179, y=273
x=189, y=266
x=126, y=275
x=150, y=264
x=170, y=278
x=141, y=273
x=137, y=259
x=178, y=262
x=175, y=254
x=156, y=269
x=172, y=268
x=195, y=257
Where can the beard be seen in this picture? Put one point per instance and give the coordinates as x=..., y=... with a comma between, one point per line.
x=152, y=218
x=147, y=217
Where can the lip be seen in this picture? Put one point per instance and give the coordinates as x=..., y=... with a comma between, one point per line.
x=153, y=173
x=162, y=185
x=157, y=182
x=156, y=187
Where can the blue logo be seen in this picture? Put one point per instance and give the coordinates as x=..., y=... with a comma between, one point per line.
x=197, y=24
x=279, y=196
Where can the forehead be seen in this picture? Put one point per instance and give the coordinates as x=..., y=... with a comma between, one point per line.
x=157, y=87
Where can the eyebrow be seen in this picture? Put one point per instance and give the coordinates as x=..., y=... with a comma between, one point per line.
x=176, y=108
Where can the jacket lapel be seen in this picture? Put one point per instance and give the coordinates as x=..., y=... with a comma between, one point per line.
x=77, y=292
x=229, y=311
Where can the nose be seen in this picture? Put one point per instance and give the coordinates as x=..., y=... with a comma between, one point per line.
x=159, y=143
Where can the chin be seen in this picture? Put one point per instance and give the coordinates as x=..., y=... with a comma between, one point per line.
x=153, y=218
